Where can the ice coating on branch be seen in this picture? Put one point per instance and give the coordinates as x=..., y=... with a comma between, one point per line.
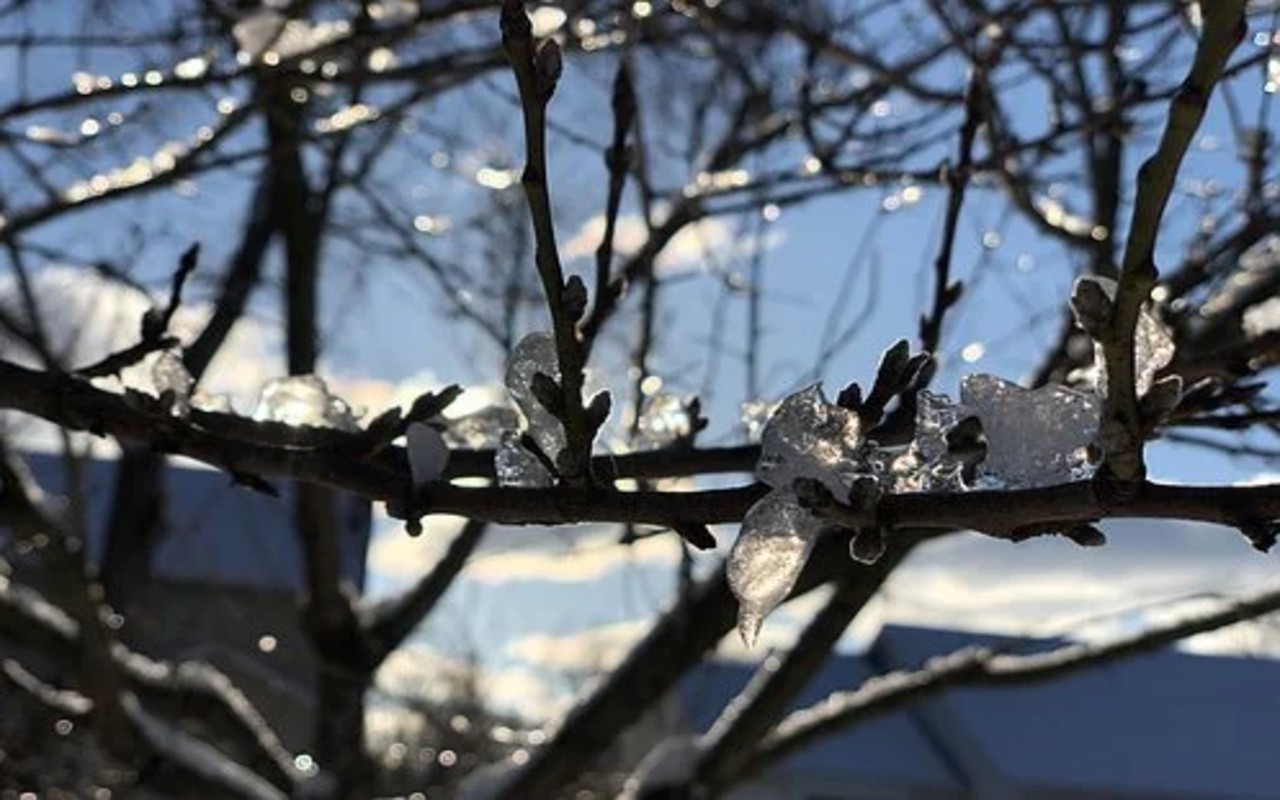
x=664, y=420
x=927, y=466
x=777, y=536
x=1152, y=346
x=807, y=437
x=428, y=453
x=536, y=353
x=517, y=467
x=168, y=374
x=1035, y=437
x=303, y=400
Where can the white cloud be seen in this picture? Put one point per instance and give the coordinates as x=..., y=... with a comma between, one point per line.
x=592, y=650
x=710, y=239
x=589, y=557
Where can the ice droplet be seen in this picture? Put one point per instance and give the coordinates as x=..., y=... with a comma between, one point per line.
x=536, y=353
x=517, y=467
x=807, y=437
x=428, y=453
x=776, y=539
x=168, y=374
x=1152, y=346
x=303, y=400
x=664, y=420
x=1035, y=437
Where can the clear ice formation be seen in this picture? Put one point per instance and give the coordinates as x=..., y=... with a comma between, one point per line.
x=536, y=353
x=776, y=539
x=1035, y=437
x=303, y=400
x=664, y=420
x=168, y=374
x=807, y=437
x=517, y=467
x=1152, y=346
x=926, y=466
x=428, y=453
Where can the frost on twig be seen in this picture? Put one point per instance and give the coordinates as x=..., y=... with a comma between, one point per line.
x=173, y=384
x=1091, y=302
x=304, y=400
x=533, y=374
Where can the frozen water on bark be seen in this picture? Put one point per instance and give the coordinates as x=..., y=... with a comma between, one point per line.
x=428, y=453
x=1035, y=437
x=807, y=437
x=170, y=375
x=927, y=465
x=1152, y=346
x=777, y=536
x=517, y=467
x=303, y=400
x=664, y=420
x=536, y=353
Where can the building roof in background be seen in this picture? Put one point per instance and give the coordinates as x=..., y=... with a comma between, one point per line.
x=215, y=531
x=889, y=748
x=1161, y=725
x=1164, y=723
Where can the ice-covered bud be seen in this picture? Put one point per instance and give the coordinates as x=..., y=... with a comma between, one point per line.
x=517, y=467
x=536, y=354
x=807, y=437
x=173, y=383
x=303, y=400
x=428, y=453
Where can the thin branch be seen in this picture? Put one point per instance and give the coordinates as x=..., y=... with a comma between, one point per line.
x=1224, y=27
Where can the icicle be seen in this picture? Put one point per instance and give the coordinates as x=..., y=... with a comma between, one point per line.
x=777, y=536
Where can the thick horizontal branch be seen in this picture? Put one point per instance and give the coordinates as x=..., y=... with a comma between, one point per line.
x=235, y=444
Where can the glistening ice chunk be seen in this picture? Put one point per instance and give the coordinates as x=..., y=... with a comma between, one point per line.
x=536, y=353
x=664, y=420
x=170, y=375
x=428, y=454
x=776, y=539
x=303, y=400
x=1152, y=346
x=517, y=467
x=1035, y=437
x=807, y=437
x=927, y=466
